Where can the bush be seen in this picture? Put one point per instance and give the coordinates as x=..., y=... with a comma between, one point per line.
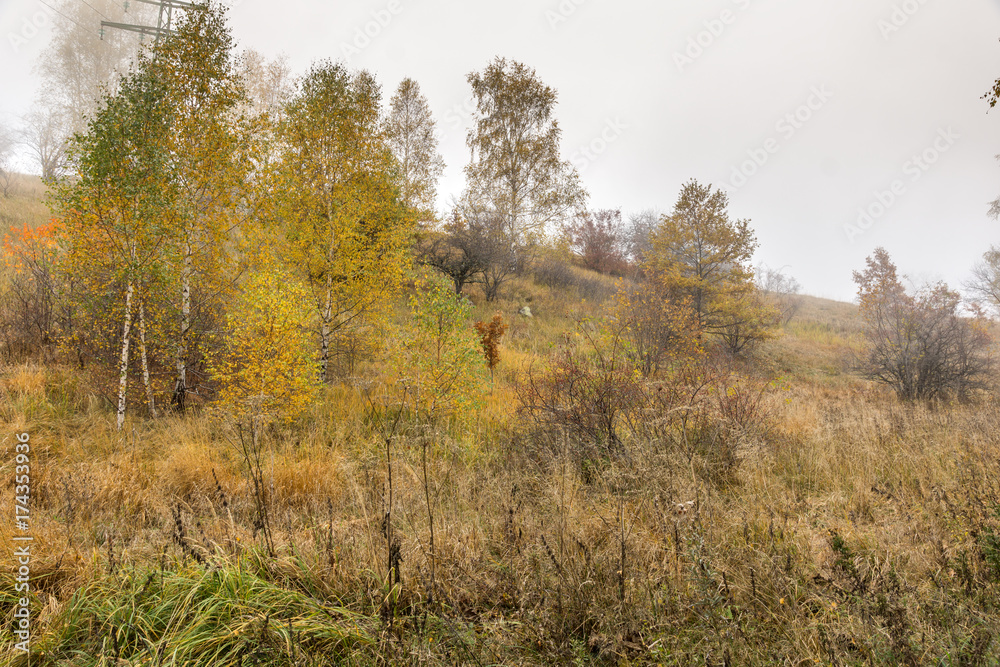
x=600, y=241
x=28, y=307
x=555, y=274
x=594, y=402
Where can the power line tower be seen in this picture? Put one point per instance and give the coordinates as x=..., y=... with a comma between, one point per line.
x=163, y=19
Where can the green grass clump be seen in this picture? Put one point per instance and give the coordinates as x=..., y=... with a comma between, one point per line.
x=221, y=614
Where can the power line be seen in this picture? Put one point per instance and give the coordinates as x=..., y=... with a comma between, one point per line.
x=95, y=9
x=68, y=18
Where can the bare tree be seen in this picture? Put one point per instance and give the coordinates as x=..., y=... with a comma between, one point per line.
x=639, y=234
x=781, y=290
x=80, y=62
x=919, y=345
x=985, y=283
x=45, y=132
x=456, y=252
x=501, y=254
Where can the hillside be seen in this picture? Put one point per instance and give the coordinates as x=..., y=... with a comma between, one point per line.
x=25, y=206
x=821, y=521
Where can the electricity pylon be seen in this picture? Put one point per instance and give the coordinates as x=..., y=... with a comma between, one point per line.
x=163, y=19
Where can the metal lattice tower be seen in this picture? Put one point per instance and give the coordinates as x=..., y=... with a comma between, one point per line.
x=163, y=19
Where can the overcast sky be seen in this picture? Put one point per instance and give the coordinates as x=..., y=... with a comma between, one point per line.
x=809, y=112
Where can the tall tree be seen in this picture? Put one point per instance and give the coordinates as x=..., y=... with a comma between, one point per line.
x=516, y=168
x=410, y=131
x=212, y=153
x=346, y=228
x=701, y=256
x=112, y=210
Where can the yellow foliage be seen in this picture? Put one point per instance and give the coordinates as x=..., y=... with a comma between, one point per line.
x=269, y=362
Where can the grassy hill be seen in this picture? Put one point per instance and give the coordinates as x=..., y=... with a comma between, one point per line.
x=25, y=205
x=825, y=523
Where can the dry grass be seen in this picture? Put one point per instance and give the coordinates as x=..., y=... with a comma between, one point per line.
x=25, y=206
x=853, y=530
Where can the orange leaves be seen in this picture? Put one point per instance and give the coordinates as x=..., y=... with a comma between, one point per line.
x=27, y=246
x=490, y=334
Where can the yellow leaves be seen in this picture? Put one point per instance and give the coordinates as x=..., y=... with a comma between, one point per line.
x=346, y=233
x=268, y=357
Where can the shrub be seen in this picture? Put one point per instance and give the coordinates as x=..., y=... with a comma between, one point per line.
x=28, y=306
x=590, y=389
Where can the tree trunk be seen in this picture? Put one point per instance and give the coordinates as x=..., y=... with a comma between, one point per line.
x=145, y=361
x=324, y=333
x=180, y=386
x=123, y=376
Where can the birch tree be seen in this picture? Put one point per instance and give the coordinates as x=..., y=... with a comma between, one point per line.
x=410, y=131
x=212, y=151
x=347, y=229
x=112, y=212
x=516, y=168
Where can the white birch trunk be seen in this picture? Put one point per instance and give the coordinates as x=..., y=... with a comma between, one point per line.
x=180, y=387
x=123, y=376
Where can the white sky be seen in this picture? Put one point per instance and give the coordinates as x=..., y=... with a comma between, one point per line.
x=653, y=120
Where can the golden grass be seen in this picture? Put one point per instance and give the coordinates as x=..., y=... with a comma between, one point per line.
x=25, y=206
x=850, y=530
